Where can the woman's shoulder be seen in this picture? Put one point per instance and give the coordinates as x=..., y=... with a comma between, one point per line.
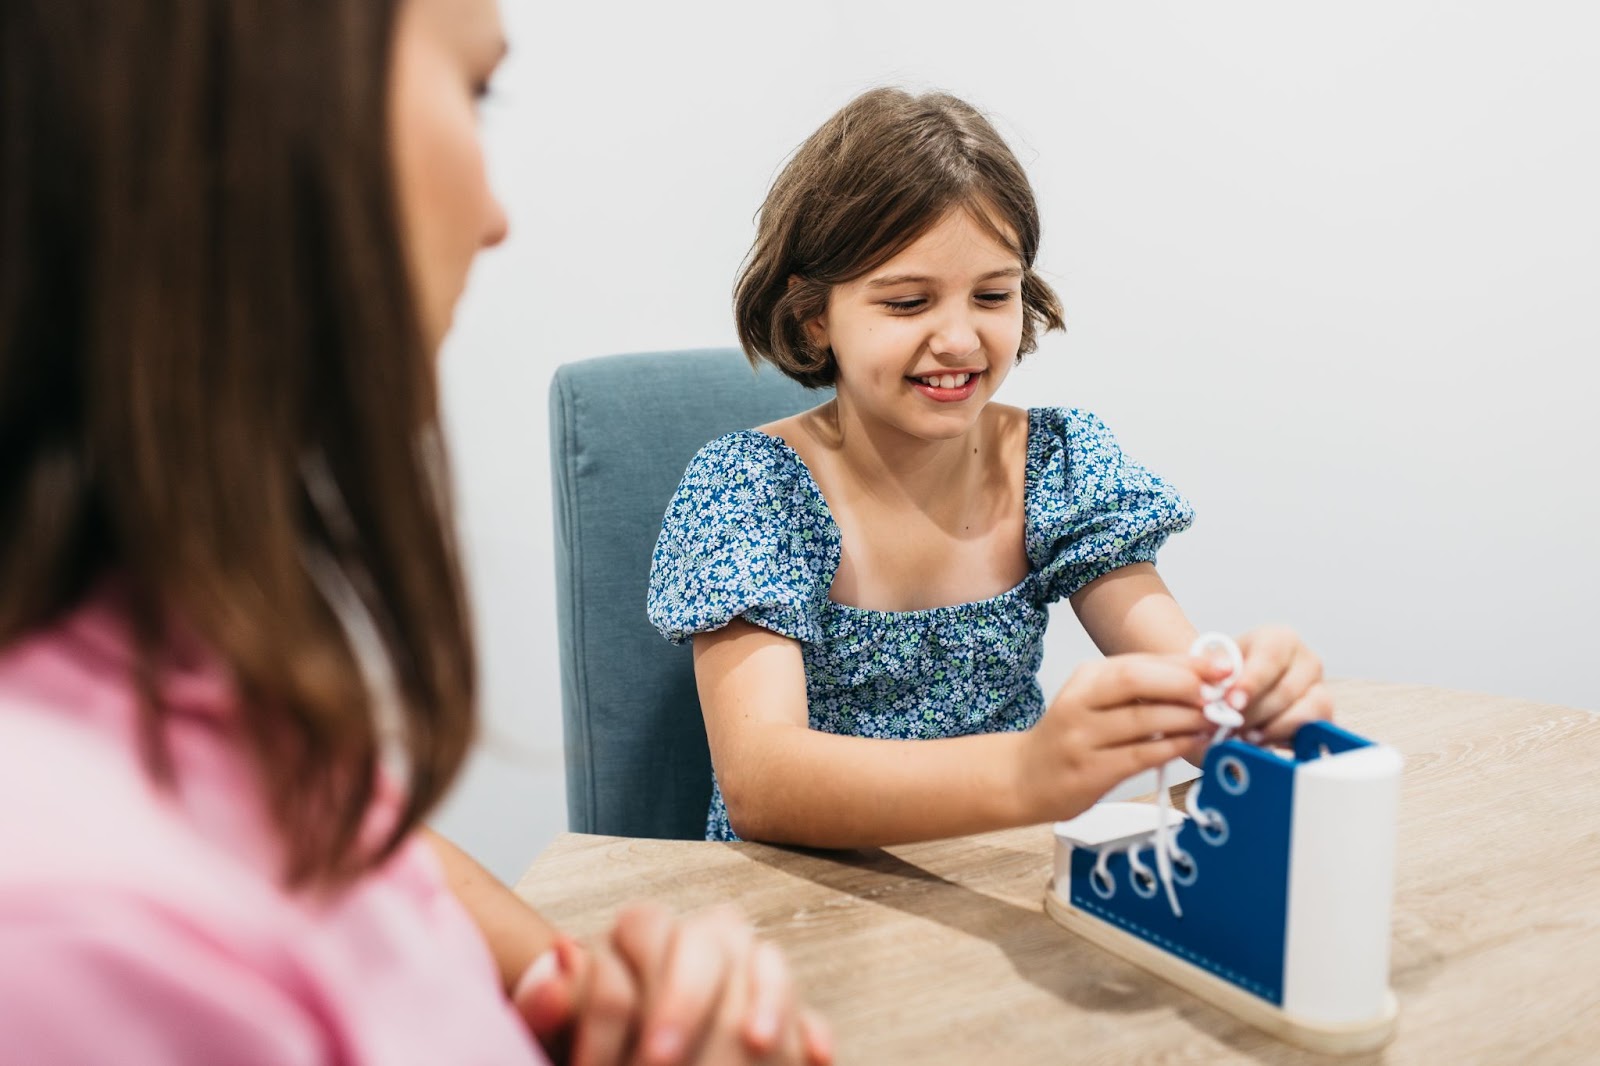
x=100, y=829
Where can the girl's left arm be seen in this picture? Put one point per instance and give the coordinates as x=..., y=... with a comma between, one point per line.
x=1132, y=610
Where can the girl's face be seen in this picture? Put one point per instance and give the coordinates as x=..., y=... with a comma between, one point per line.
x=923, y=341
x=445, y=52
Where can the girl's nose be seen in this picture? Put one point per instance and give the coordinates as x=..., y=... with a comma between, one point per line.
x=954, y=335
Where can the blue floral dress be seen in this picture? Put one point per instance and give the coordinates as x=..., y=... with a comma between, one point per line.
x=749, y=535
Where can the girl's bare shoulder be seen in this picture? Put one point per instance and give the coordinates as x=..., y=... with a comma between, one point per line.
x=805, y=432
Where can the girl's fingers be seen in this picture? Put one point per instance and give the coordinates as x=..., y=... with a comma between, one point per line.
x=1124, y=679
x=1138, y=722
x=1132, y=759
x=1314, y=706
x=1304, y=671
x=1268, y=654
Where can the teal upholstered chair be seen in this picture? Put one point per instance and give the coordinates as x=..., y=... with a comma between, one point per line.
x=622, y=430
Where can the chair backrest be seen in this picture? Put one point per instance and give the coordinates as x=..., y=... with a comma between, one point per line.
x=622, y=430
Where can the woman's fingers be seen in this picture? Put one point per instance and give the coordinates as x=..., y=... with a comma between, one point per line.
x=607, y=1013
x=547, y=994
x=771, y=1004
x=816, y=1038
x=662, y=991
x=710, y=949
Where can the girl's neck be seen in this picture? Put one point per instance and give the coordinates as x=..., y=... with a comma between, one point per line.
x=895, y=466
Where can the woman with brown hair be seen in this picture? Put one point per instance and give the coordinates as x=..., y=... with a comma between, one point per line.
x=236, y=667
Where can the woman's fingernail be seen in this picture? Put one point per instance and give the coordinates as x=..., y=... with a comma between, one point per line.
x=539, y=971
x=665, y=1044
x=567, y=951
x=1238, y=698
x=1254, y=736
x=764, y=1027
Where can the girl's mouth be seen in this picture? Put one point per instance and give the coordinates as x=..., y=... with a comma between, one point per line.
x=947, y=387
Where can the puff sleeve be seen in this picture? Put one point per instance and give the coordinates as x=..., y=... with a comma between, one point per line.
x=1093, y=509
x=745, y=536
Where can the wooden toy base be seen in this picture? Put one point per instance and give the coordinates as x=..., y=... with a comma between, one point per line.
x=1330, y=1040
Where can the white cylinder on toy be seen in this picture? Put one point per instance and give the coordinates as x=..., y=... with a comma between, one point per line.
x=1341, y=886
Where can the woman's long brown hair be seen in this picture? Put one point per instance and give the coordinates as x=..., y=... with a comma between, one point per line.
x=203, y=306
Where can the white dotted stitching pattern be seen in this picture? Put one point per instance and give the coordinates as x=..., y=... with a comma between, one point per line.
x=1177, y=949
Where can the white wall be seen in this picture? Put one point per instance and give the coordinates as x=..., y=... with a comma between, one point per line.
x=1333, y=269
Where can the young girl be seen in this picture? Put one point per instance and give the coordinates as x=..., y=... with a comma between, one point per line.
x=236, y=669
x=866, y=583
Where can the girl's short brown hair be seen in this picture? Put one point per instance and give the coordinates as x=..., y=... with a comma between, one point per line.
x=877, y=175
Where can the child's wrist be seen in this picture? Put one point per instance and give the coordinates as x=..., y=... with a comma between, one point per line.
x=1017, y=795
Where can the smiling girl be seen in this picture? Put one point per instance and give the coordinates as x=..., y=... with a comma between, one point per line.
x=867, y=583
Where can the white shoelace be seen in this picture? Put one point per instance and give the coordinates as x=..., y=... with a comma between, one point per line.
x=1163, y=839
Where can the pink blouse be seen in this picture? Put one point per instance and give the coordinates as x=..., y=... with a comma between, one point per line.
x=141, y=927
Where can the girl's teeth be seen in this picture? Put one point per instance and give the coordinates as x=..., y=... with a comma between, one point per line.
x=946, y=381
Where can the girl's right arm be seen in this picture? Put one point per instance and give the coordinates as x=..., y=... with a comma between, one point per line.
x=784, y=782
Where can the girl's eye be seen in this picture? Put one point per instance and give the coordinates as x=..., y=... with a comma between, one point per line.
x=994, y=299
x=905, y=306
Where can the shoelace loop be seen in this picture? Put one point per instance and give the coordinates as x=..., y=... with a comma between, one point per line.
x=1163, y=839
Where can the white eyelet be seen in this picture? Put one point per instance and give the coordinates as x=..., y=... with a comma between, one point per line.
x=1232, y=775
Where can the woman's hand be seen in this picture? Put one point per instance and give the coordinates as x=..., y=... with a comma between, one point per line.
x=1114, y=718
x=658, y=990
x=1281, y=686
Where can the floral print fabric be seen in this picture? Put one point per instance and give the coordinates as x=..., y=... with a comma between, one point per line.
x=748, y=534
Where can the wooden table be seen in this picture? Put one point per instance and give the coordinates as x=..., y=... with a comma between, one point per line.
x=940, y=952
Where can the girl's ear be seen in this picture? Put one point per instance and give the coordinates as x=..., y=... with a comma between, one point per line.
x=817, y=333
x=816, y=328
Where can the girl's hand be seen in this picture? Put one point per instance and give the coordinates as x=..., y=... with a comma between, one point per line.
x=658, y=991
x=1281, y=687
x=1114, y=718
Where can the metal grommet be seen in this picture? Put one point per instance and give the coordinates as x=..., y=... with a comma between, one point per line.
x=1143, y=882
x=1232, y=775
x=1184, y=870
x=1102, y=883
x=1214, y=830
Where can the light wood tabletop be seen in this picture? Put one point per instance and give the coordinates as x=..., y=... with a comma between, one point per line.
x=940, y=952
